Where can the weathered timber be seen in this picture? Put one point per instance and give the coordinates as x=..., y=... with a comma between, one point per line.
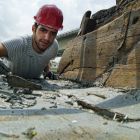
x=107, y=113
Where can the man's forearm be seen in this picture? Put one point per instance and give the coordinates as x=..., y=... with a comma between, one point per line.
x=3, y=68
x=3, y=51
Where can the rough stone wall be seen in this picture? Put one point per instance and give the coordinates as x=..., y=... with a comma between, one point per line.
x=92, y=22
x=120, y=2
x=109, y=55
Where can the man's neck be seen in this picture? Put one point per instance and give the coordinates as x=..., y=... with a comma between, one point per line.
x=35, y=46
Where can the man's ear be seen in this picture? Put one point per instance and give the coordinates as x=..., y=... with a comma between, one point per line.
x=33, y=28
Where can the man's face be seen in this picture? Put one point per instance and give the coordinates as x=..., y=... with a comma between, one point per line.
x=44, y=37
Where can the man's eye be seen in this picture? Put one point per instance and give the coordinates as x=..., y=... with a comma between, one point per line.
x=43, y=30
x=54, y=33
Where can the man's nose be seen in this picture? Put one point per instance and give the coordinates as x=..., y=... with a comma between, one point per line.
x=47, y=36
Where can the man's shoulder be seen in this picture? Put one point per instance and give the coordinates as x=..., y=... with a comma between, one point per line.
x=27, y=37
x=17, y=39
x=55, y=43
x=17, y=42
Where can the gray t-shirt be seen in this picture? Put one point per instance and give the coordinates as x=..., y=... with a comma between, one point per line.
x=25, y=61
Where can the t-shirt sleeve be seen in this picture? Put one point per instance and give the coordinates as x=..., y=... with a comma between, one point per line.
x=13, y=46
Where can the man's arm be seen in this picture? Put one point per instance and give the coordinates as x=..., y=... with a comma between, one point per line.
x=48, y=73
x=3, y=51
x=46, y=70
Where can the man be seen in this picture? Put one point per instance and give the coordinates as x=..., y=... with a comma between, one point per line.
x=29, y=56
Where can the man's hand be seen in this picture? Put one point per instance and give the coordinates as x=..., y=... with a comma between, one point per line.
x=50, y=75
x=3, y=68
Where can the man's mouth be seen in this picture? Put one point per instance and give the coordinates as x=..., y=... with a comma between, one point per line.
x=44, y=43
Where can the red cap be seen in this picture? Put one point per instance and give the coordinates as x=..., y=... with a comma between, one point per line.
x=50, y=16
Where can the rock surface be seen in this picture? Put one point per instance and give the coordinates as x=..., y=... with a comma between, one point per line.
x=109, y=53
x=55, y=113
